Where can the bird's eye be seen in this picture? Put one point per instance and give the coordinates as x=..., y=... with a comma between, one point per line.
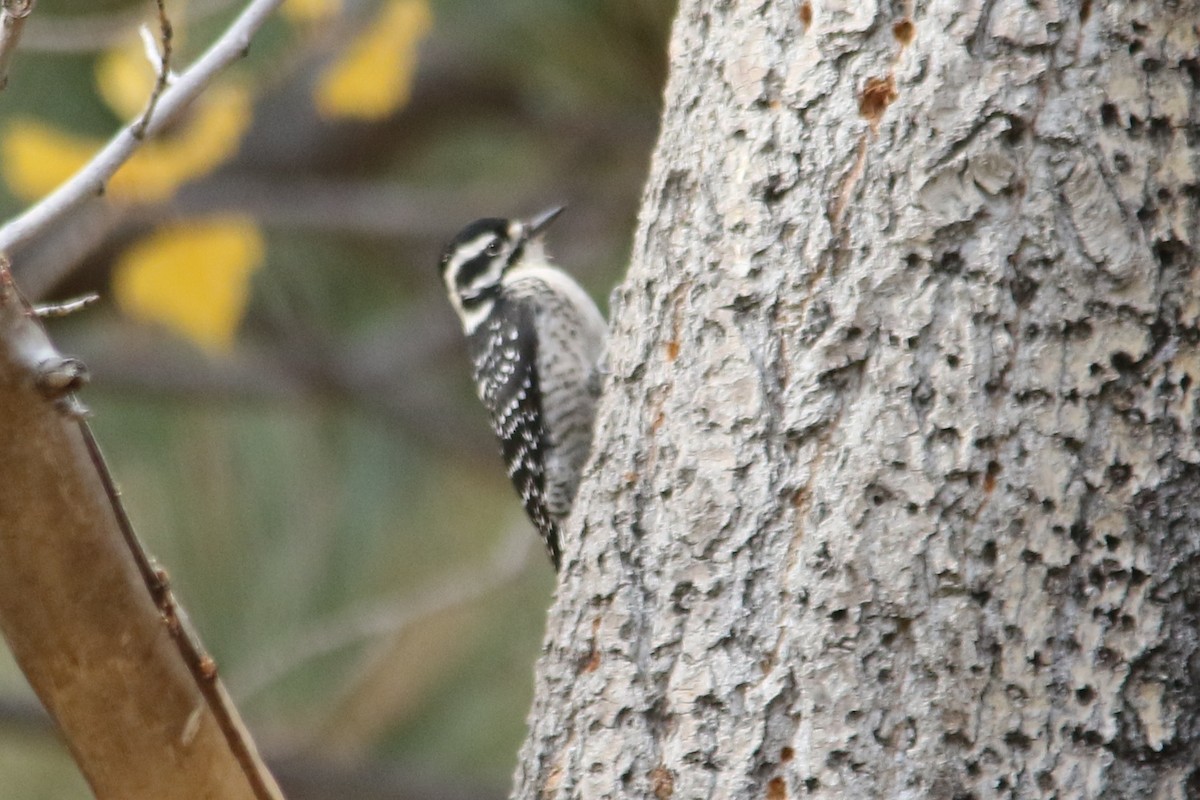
x=493, y=248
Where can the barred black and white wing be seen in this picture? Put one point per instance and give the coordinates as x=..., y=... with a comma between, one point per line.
x=504, y=360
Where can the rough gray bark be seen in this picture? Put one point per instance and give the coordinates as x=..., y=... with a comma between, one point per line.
x=896, y=490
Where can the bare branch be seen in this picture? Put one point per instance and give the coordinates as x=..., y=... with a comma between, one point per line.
x=65, y=308
x=164, y=69
x=90, y=181
x=12, y=24
x=89, y=619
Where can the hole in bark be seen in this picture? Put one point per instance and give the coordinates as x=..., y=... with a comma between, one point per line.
x=1160, y=127
x=911, y=342
x=989, y=483
x=1107, y=657
x=950, y=263
x=981, y=596
x=1015, y=134
x=853, y=332
x=1135, y=126
x=1185, y=383
x=1094, y=369
x=1121, y=162
x=1045, y=781
x=811, y=784
x=912, y=261
x=838, y=615
x=1146, y=215
x=1112, y=542
x=988, y=553
x=883, y=676
x=1123, y=362
x=973, y=768
x=1031, y=556
x=1108, y=114
x=1077, y=329
x=1048, y=505
x=1092, y=738
x=1151, y=64
x=1085, y=10
x=1135, y=47
x=1137, y=577
x=952, y=361
x=1171, y=253
x=1126, y=622
x=1085, y=695
x=1118, y=475
x=1079, y=533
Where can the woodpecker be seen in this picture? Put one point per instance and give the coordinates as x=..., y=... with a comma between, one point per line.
x=535, y=339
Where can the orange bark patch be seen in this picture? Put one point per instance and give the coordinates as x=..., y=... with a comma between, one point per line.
x=904, y=31
x=776, y=789
x=806, y=14
x=663, y=782
x=672, y=350
x=876, y=96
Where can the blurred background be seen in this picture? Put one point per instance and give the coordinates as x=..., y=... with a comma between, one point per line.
x=278, y=381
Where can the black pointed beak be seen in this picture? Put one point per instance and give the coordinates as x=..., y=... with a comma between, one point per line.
x=538, y=223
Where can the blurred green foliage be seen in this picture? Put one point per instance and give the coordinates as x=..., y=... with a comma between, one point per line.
x=336, y=463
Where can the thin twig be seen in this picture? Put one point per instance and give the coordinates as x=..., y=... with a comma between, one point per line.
x=390, y=617
x=12, y=24
x=66, y=307
x=164, y=69
x=90, y=180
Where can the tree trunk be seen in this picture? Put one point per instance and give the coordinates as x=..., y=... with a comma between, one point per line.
x=896, y=483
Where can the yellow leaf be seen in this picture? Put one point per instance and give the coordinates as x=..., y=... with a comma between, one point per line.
x=374, y=77
x=125, y=80
x=38, y=157
x=305, y=11
x=194, y=278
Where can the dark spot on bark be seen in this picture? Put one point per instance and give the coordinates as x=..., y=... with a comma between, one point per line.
x=1090, y=738
x=1077, y=329
x=876, y=96
x=1031, y=556
x=988, y=553
x=904, y=31
x=838, y=615
x=912, y=342
x=956, y=739
x=812, y=784
x=1085, y=10
x=952, y=361
x=1107, y=657
x=1085, y=695
x=1118, y=474
x=806, y=14
x=776, y=789
x=1151, y=64
x=951, y=263
x=776, y=186
x=1123, y=362
x=1121, y=162
x=1112, y=542
x=1137, y=577
x=972, y=768
x=853, y=332
x=1048, y=505
x=1171, y=253
x=981, y=596
x=1147, y=215
x=1135, y=47
x=1080, y=533
x=989, y=479
x=1135, y=126
x=1109, y=115
x=1094, y=369
x=1023, y=289
x=1160, y=127
x=786, y=755
x=1015, y=135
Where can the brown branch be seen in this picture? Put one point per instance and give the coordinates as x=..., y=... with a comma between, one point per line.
x=91, y=622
